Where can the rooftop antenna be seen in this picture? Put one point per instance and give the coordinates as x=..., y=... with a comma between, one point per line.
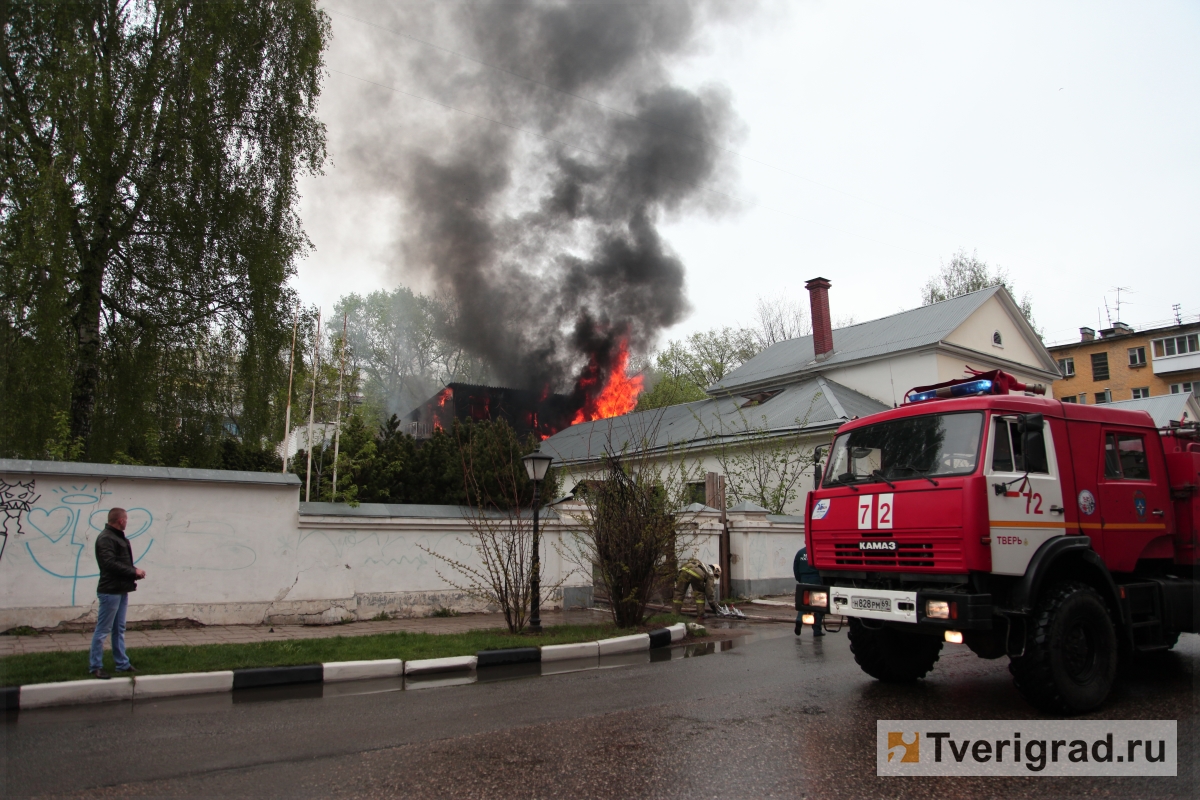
x=1178, y=316
x=1118, y=290
x=1107, y=313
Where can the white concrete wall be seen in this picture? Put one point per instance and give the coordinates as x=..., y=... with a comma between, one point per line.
x=211, y=542
x=235, y=548
x=222, y=548
x=763, y=548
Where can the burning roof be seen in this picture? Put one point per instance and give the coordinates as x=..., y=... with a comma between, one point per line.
x=599, y=393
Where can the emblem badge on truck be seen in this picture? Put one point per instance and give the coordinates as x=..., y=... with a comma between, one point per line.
x=1087, y=503
x=1139, y=505
x=876, y=545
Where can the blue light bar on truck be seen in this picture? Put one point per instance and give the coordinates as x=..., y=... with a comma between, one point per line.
x=957, y=390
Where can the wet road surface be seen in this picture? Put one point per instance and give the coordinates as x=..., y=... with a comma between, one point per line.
x=776, y=717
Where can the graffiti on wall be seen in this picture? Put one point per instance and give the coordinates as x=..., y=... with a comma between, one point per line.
x=64, y=526
x=15, y=499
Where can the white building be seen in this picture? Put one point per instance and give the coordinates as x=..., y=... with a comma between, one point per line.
x=801, y=390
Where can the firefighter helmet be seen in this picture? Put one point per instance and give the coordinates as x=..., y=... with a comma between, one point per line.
x=716, y=569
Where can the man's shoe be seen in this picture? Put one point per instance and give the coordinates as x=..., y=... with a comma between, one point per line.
x=799, y=629
x=128, y=671
x=100, y=674
x=818, y=633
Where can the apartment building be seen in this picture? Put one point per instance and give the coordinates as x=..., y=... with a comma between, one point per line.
x=1124, y=364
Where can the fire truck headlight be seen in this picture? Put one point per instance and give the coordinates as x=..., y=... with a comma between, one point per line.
x=818, y=599
x=954, y=637
x=808, y=619
x=937, y=609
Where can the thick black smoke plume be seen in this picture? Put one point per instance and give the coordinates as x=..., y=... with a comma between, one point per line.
x=531, y=204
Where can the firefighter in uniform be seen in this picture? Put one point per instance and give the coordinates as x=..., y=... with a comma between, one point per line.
x=702, y=578
x=806, y=574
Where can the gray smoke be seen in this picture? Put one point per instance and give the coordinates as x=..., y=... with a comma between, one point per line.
x=545, y=237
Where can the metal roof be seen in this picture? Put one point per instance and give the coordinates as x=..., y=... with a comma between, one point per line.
x=1164, y=408
x=907, y=330
x=806, y=405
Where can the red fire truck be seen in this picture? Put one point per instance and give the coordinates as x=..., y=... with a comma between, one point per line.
x=1062, y=536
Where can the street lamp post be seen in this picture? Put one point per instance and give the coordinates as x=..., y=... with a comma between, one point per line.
x=537, y=464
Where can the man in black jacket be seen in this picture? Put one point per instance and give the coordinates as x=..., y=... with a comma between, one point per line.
x=118, y=577
x=805, y=573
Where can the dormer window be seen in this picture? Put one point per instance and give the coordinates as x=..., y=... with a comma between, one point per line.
x=997, y=339
x=758, y=398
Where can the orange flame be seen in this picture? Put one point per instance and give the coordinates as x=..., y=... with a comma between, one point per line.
x=619, y=395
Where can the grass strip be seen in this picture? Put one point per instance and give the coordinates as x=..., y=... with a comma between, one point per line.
x=54, y=667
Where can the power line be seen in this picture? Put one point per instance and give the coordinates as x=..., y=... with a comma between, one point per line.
x=633, y=116
x=610, y=159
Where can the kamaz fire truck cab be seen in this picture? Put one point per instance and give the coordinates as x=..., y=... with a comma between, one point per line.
x=1062, y=536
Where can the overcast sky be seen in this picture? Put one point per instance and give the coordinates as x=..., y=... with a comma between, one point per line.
x=1060, y=141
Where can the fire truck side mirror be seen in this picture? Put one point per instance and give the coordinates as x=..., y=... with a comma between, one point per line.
x=1029, y=427
x=1029, y=423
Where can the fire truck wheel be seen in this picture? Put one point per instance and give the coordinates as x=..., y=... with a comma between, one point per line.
x=1070, y=659
x=892, y=655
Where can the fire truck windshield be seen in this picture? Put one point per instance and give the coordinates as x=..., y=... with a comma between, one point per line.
x=914, y=447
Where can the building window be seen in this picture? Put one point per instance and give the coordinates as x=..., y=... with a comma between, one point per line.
x=1067, y=367
x=1099, y=366
x=1137, y=356
x=1104, y=397
x=1176, y=345
x=997, y=339
x=694, y=493
x=1190, y=386
x=1141, y=393
x=1070, y=399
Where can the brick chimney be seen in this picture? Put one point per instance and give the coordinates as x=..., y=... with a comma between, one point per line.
x=1087, y=334
x=818, y=298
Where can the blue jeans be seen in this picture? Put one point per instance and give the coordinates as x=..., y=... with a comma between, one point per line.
x=110, y=619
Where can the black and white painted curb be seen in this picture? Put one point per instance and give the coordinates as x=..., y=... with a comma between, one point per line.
x=40, y=695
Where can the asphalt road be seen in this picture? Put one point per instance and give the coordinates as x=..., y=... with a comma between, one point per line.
x=771, y=718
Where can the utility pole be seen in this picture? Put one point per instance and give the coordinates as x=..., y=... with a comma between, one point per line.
x=287, y=416
x=337, y=425
x=312, y=405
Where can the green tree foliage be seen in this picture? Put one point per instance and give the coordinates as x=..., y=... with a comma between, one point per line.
x=148, y=224
x=472, y=464
x=400, y=342
x=668, y=391
x=964, y=274
x=687, y=367
x=629, y=537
